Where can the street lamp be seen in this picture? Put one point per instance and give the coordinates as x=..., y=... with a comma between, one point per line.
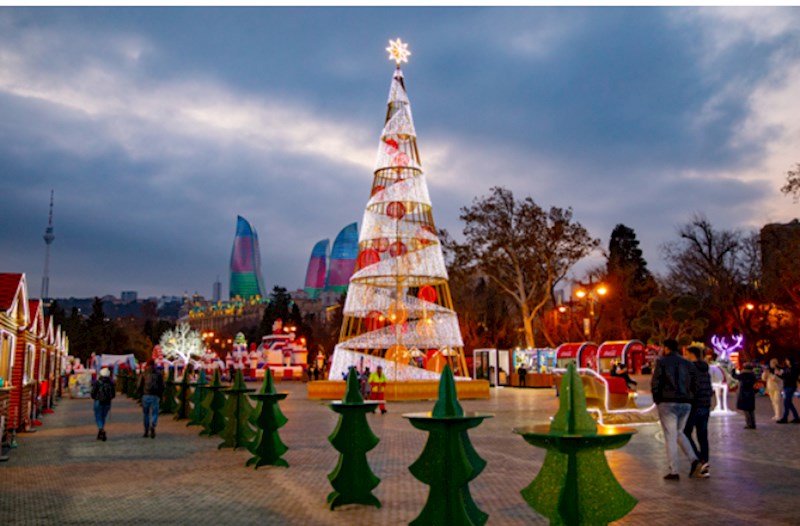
x=591, y=293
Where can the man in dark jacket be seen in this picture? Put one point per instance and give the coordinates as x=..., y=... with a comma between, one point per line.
x=789, y=376
x=102, y=393
x=151, y=386
x=673, y=385
x=701, y=409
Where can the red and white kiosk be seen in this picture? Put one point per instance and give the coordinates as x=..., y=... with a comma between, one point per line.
x=583, y=354
x=630, y=352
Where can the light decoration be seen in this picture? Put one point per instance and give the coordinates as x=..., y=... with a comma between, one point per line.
x=721, y=381
x=725, y=349
x=398, y=51
x=182, y=344
x=399, y=295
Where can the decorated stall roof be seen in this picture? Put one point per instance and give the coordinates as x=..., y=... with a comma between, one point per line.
x=574, y=350
x=620, y=349
x=12, y=290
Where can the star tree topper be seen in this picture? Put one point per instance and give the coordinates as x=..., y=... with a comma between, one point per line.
x=398, y=51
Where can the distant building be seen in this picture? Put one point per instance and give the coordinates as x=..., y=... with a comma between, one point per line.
x=331, y=272
x=129, y=295
x=217, y=291
x=245, y=276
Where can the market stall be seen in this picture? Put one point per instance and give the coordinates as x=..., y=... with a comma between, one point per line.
x=630, y=353
x=583, y=354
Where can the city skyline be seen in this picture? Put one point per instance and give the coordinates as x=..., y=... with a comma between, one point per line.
x=157, y=127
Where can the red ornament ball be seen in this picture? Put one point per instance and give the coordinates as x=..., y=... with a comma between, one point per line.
x=381, y=244
x=396, y=210
x=367, y=257
x=427, y=293
x=397, y=248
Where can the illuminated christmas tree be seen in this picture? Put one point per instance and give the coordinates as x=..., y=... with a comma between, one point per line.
x=398, y=306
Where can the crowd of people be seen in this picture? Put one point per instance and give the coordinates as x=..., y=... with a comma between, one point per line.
x=682, y=391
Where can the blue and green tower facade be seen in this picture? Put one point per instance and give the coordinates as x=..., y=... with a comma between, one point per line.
x=246, y=281
x=332, y=271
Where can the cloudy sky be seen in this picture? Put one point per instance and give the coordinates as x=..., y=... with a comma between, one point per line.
x=156, y=127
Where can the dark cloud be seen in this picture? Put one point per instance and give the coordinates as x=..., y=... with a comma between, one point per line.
x=157, y=126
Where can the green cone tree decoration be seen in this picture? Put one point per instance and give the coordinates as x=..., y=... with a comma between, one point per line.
x=237, y=432
x=575, y=485
x=214, y=404
x=168, y=404
x=448, y=462
x=132, y=386
x=122, y=381
x=352, y=479
x=182, y=409
x=198, y=411
x=267, y=447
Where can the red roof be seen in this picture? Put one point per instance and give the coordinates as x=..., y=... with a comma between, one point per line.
x=33, y=310
x=9, y=285
x=615, y=349
x=570, y=350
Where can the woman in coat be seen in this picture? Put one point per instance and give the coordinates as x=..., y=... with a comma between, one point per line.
x=774, y=387
x=746, y=401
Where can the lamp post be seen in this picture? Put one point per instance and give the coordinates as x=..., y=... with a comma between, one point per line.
x=590, y=293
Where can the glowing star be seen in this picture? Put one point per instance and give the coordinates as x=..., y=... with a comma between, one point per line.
x=398, y=51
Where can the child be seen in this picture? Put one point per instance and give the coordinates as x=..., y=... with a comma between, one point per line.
x=746, y=401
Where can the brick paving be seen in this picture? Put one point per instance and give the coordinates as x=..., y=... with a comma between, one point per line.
x=62, y=475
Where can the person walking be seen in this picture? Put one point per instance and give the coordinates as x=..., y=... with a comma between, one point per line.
x=102, y=393
x=789, y=376
x=377, y=382
x=746, y=399
x=151, y=387
x=673, y=385
x=701, y=410
x=774, y=386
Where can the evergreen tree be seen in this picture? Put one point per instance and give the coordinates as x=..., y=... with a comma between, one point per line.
x=267, y=447
x=629, y=281
x=214, y=404
x=352, y=479
x=237, y=432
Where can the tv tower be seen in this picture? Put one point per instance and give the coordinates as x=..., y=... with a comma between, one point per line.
x=48, y=240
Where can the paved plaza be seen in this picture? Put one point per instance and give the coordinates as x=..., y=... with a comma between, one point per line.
x=62, y=475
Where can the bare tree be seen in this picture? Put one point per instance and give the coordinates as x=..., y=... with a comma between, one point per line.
x=521, y=248
x=792, y=186
x=719, y=267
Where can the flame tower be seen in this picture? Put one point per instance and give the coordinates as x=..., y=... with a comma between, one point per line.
x=49, y=237
x=399, y=312
x=245, y=275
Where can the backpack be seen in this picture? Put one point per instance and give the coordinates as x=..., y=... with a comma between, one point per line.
x=153, y=383
x=105, y=392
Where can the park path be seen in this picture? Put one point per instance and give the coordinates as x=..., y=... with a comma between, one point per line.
x=62, y=475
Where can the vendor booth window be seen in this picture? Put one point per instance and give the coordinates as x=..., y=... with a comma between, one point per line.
x=42, y=364
x=30, y=355
x=6, y=357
